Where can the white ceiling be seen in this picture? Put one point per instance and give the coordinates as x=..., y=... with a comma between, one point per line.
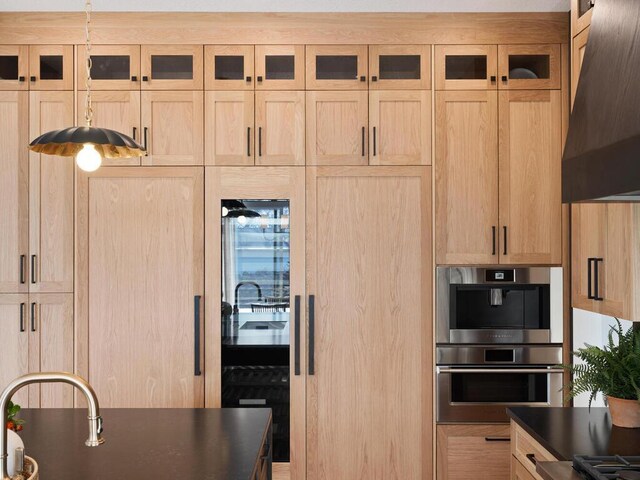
x=289, y=5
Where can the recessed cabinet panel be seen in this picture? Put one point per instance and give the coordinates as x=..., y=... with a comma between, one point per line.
x=14, y=334
x=529, y=66
x=466, y=67
x=579, y=49
x=51, y=67
x=119, y=111
x=229, y=127
x=229, y=67
x=171, y=67
x=581, y=12
x=399, y=67
x=279, y=67
x=280, y=122
x=113, y=67
x=588, y=241
x=14, y=67
x=336, y=67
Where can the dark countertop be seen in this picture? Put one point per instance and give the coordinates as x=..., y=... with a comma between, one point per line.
x=566, y=432
x=235, y=331
x=221, y=444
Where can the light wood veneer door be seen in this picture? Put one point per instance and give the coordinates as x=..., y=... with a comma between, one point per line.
x=173, y=127
x=14, y=72
x=14, y=356
x=280, y=67
x=114, y=67
x=369, y=397
x=51, y=67
x=337, y=125
x=228, y=67
x=280, y=128
x=528, y=67
x=530, y=171
x=51, y=211
x=466, y=67
x=579, y=49
x=171, y=67
x=400, y=127
x=14, y=191
x=336, y=67
x=466, y=170
x=229, y=128
x=400, y=67
x=140, y=267
x=588, y=241
x=116, y=110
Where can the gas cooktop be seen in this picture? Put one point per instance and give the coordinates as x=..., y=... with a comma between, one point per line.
x=604, y=468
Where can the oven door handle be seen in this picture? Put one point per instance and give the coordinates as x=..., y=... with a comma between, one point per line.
x=499, y=370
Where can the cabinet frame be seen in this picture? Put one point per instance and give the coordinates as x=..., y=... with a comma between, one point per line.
x=22, y=52
x=66, y=51
x=443, y=51
x=360, y=51
x=579, y=45
x=551, y=83
x=147, y=51
x=132, y=51
x=210, y=53
x=579, y=23
x=375, y=51
x=263, y=51
x=15, y=355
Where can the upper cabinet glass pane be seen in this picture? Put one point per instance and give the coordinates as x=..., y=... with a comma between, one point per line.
x=529, y=67
x=8, y=67
x=110, y=67
x=337, y=67
x=466, y=67
x=584, y=6
x=399, y=67
x=172, y=67
x=280, y=67
x=229, y=67
x=51, y=67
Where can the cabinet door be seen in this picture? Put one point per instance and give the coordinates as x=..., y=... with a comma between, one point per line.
x=466, y=169
x=171, y=67
x=369, y=269
x=14, y=191
x=530, y=183
x=466, y=67
x=280, y=128
x=14, y=356
x=173, y=128
x=51, y=67
x=522, y=67
x=588, y=232
x=400, y=67
x=519, y=472
x=50, y=198
x=337, y=125
x=14, y=67
x=51, y=347
x=488, y=445
x=116, y=110
x=581, y=11
x=279, y=67
x=229, y=128
x=336, y=67
x=140, y=256
x=579, y=49
x=113, y=67
x=228, y=67
x=400, y=124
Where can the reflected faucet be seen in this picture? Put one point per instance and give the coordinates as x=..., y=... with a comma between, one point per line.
x=235, y=302
x=95, y=420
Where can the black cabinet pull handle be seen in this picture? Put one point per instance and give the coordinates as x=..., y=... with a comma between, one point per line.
x=33, y=269
x=497, y=439
x=493, y=240
x=23, y=261
x=493, y=79
x=259, y=78
x=259, y=141
x=363, y=133
x=21, y=78
x=248, y=79
x=134, y=133
x=590, y=295
x=145, y=78
x=374, y=141
x=248, y=141
x=363, y=78
x=532, y=458
x=505, y=79
x=32, y=78
x=22, y=307
x=134, y=78
x=374, y=78
x=596, y=276
x=504, y=230
x=312, y=339
x=296, y=335
x=196, y=336
x=144, y=134
x=33, y=316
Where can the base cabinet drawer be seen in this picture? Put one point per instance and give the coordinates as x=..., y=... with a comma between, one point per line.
x=527, y=451
x=519, y=472
x=487, y=445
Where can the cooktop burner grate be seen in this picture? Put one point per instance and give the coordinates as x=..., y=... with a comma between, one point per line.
x=605, y=468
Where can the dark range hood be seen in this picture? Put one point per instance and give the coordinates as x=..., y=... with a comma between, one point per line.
x=602, y=154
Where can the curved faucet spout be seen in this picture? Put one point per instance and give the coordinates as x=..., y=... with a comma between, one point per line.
x=95, y=420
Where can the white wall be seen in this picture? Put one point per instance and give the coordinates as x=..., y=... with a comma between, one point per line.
x=290, y=5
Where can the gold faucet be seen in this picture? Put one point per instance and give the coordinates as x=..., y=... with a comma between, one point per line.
x=95, y=420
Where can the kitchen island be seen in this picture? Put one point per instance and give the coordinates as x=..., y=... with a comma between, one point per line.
x=212, y=444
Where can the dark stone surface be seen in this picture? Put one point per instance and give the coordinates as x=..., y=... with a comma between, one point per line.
x=221, y=444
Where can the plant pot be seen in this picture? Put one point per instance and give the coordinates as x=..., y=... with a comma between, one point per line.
x=624, y=413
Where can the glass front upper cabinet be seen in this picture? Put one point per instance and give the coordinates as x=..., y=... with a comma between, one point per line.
x=336, y=67
x=14, y=67
x=51, y=67
x=228, y=67
x=113, y=67
x=466, y=67
x=171, y=67
x=399, y=67
x=529, y=66
x=279, y=67
x=584, y=6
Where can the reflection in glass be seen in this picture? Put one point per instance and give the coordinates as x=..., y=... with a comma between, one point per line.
x=337, y=67
x=529, y=66
x=466, y=67
x=8, y=67
x=51, y=67
x=110, y=67
x=399, y=67
x=229, y=67
x=279, y=67
x=256, y=309
x=172, y=67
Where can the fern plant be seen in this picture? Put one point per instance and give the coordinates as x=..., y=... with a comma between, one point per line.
x=613, y=370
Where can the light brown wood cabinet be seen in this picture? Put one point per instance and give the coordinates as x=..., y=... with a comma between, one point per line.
x=14, y=334
x=605, y=258
x=229, y=67
x=473, y=452
x=526, y=452
x=114, y=67
x=577, y=56
x=51, y=67
x=372, y=290
x=171, y=67
x=400, y=67
x=466, y=67
x=15, y=67
x=336, y=67
x=279, y=67
x=229, y=128
x=529, y=67
x=519, y=471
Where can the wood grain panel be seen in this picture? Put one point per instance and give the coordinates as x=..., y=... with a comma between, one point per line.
x=22, y=52
x=421, y=83
x=522, y=444
x=550, y=51
x=264, y=51
x=280, y=128
x=356, y=83
x=444, y=51
x=193, y=83
x=588, y=233
x=131, y=51
x=247, y=81
x=577, y=57
x=578, y=22
x=14, y=356
x=35, y=52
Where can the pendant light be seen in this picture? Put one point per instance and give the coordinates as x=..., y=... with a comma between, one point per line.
x=88, y=144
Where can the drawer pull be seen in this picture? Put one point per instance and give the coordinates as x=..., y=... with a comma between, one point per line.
x=532, y=458
x=497, y=439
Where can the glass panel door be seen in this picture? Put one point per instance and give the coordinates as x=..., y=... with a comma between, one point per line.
x=229, y=67
x=400, y=66
x=466, y=67
x=529, y=66
x=280, y=67
x=113, y=67
x=584, y=6
x=336, y=67
x=171, y=67
x=51, y=67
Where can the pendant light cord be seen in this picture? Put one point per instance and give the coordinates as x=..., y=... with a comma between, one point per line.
x=88, y=110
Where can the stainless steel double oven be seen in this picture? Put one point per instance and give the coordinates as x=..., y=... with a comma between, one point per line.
x=499, y=337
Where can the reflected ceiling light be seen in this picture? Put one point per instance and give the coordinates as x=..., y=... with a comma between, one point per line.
x=88, y=144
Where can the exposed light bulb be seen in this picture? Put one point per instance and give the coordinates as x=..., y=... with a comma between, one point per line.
x=225, y=211
x=88, y=159
x=242, y=220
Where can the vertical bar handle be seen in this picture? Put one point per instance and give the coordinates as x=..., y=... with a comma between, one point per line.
x=259, y=141
x=363, y=133
x=296, y=335
x=196, y=335
x=134, y=133
x=144, y=131
x=22, y=307
x=248, y=141
x=33, y=316
x=33, y=268
x=493, y=240
x=504, y=230
x=590, y=295
x=312, y=339
x=23, y=260
x=596, y=276
x=374, y=141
